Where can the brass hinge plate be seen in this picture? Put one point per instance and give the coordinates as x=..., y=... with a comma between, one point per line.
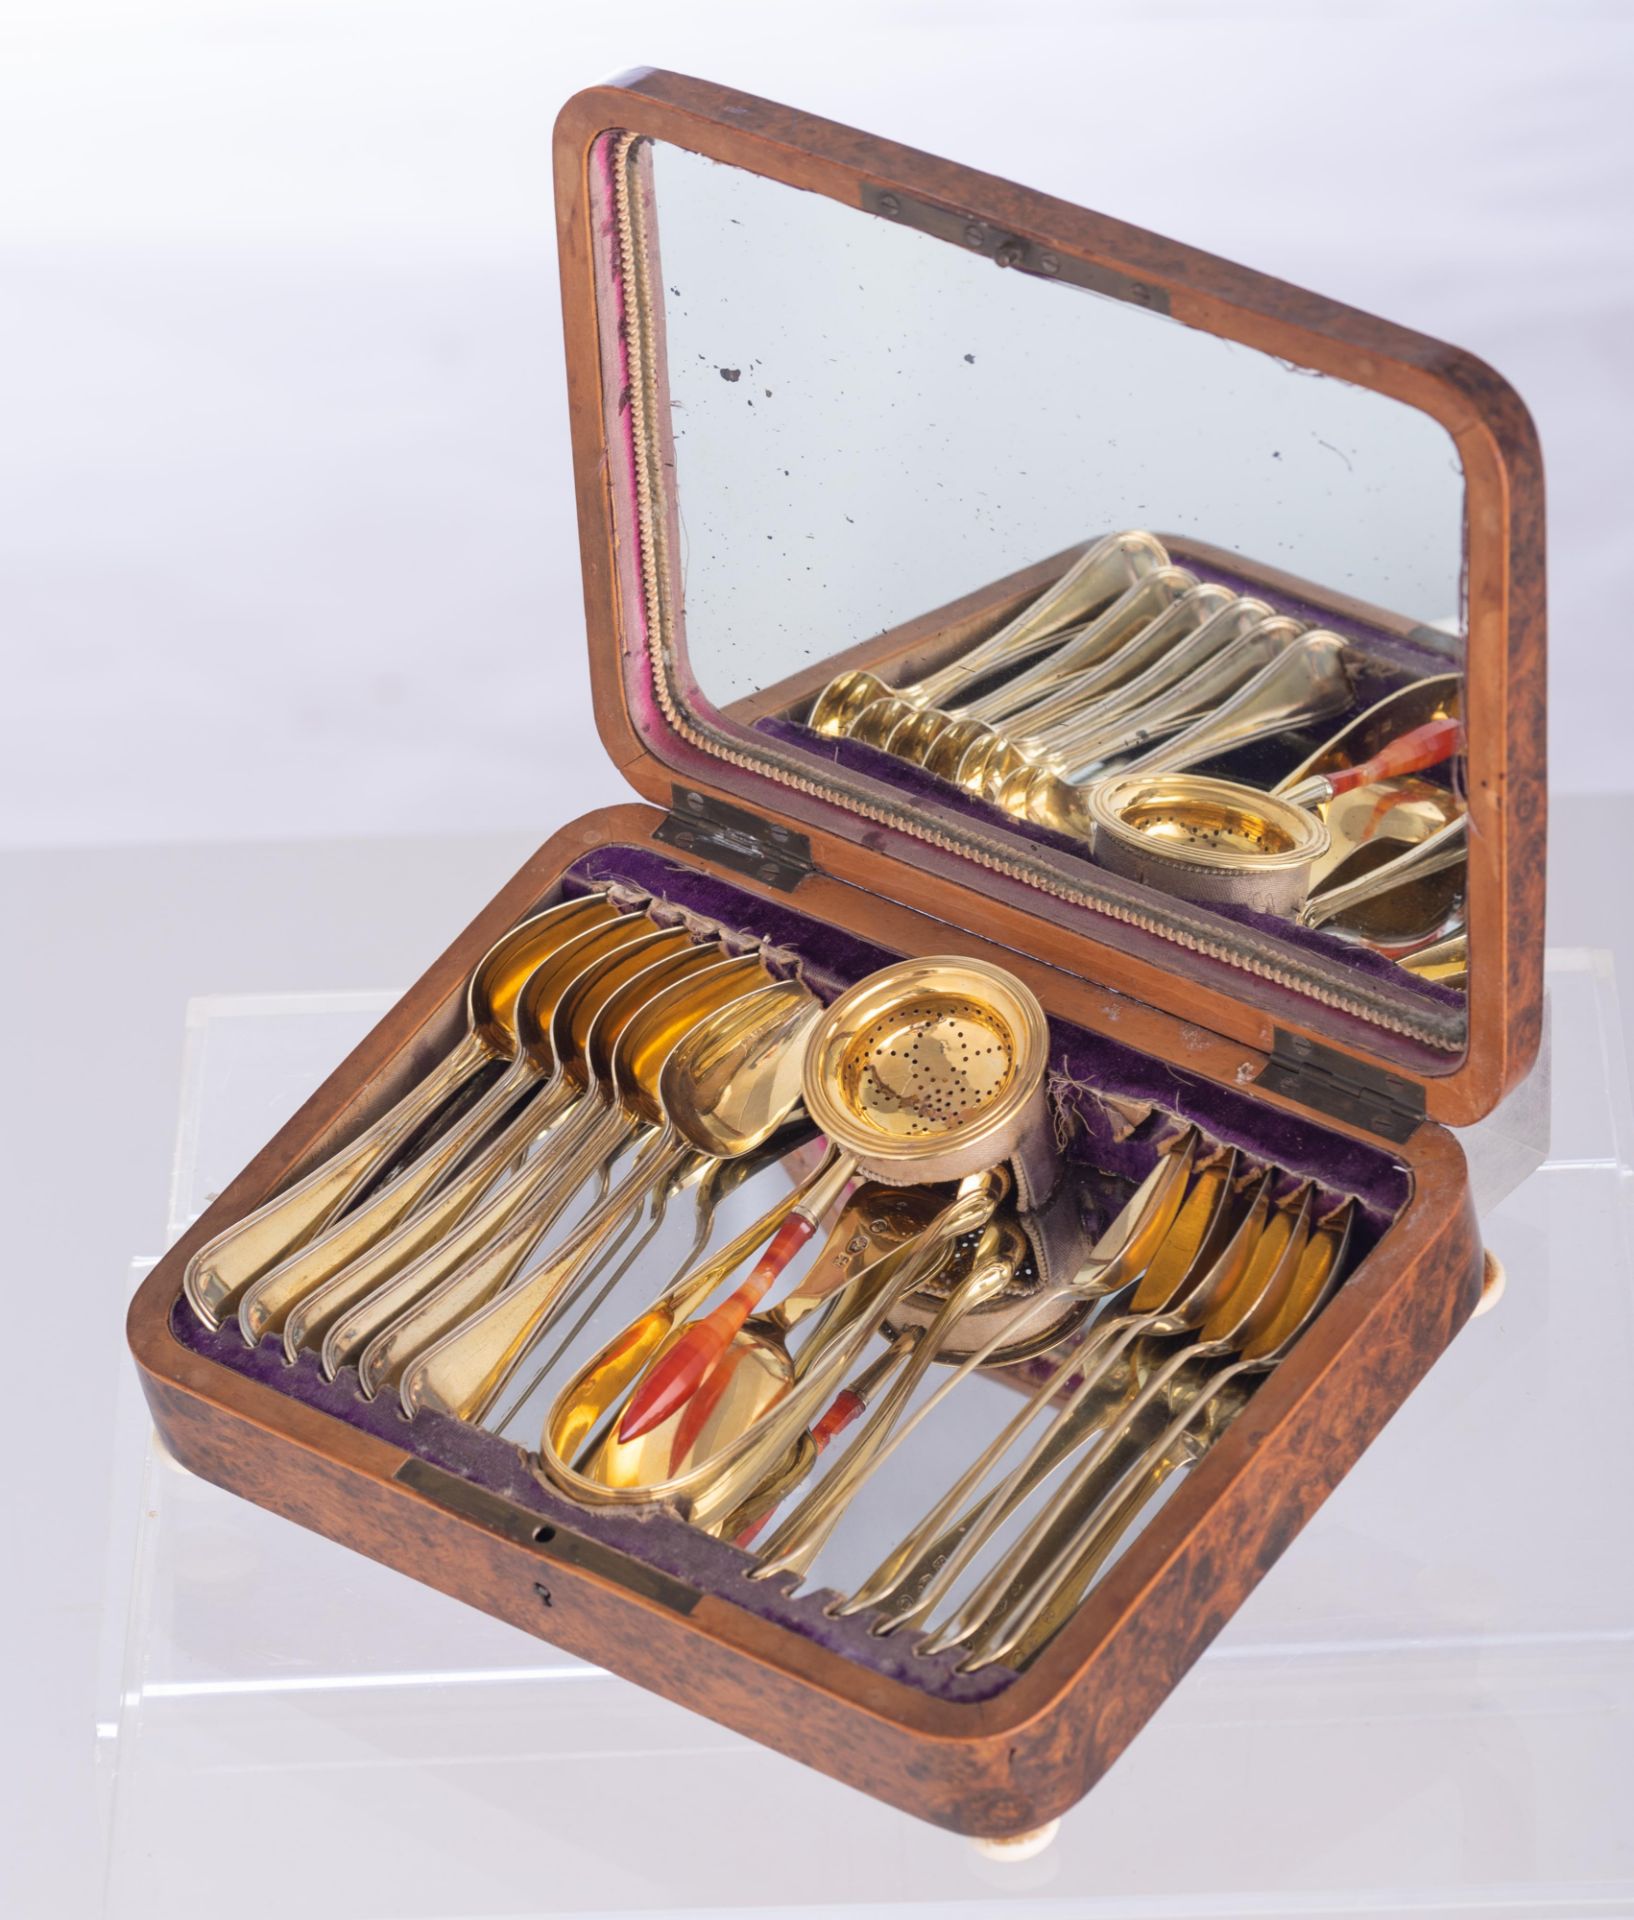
x=735, y=838
x=525, y=1528
x=1343, y=1088
x=972, y=234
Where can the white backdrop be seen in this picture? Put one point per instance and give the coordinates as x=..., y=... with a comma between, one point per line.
x=283, y=450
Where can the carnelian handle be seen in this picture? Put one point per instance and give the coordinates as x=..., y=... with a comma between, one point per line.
x=689, y=1428
x=847, y=1404
x=682, y=1370
x=1411, y=752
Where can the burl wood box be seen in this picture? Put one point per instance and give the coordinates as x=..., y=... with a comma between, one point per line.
x=865, y=407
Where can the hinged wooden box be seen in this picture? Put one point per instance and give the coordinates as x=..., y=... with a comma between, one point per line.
x=844, y=415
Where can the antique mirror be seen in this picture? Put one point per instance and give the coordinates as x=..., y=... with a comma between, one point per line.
x=988, y=545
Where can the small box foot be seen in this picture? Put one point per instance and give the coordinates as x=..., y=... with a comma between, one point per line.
x=1493, y=1281
x=1019, y=1846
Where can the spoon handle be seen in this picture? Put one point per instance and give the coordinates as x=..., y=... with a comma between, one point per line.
x=1203, y=1233
x=914, y=1574
x=802, y=1536
x=1301, y=1286
x=982, y=1525
x=1307, y=680
x=599, y=1382
x=1095, y=654
x=433, y=1295
x=223, y=1267
x=265, y=1304
x=907, y=1266
x=890, y=1576
x=847, y=1407
x=1119, y=1256
x=1126, y=1482
x=1082, y=742
x=1163, y=648
x=1099, y=576
x=678, y=1376
x=463, y=1374
x=1410, y=752
x=682, y=1370
x=324, y=1314
x=984, y=1602
x=613, y=1260
x=1445, y=848
x=1104, y=1504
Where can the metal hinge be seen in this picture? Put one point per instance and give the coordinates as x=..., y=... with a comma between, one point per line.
x=735, y=838
x=1342, y=1087
x=975, y=235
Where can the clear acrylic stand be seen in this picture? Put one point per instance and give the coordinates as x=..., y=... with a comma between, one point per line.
x=1427, y=1707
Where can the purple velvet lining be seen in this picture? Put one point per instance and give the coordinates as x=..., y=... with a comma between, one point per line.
x=833, y=958
x=1403, y=658
x=830, y=959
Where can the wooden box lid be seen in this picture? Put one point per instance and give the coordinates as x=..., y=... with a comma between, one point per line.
x=691, y=736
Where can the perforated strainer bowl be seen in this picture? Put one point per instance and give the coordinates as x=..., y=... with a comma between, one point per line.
x=1206, y=840
x=930, y=1070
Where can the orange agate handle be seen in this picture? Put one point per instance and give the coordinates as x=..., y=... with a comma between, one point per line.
x=687, y=1364
x=848, y=1403
x=1425, y=746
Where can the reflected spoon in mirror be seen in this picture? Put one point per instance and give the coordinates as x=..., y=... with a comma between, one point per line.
x=1168, y=601
x=1153, y=662
x=1415, y=890
x=1425, y=745
x=1306, y=679
x=1084, y=672
x=1097, y=576
x=1445, y=961
x=1070, y=740
x=1404, y=710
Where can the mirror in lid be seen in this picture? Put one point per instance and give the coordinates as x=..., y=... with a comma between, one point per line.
x=1022, y=565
